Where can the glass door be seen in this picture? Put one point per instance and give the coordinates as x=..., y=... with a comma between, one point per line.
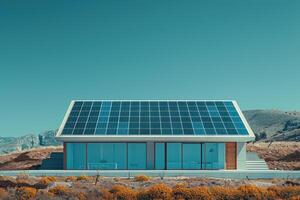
x=191, y=156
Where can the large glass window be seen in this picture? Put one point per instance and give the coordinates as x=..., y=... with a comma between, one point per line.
x=76, y=155
x=174, y=159
x=107, y=156
x=191, y=156
x=213, y=155
x=137, y=156
x=160, y=156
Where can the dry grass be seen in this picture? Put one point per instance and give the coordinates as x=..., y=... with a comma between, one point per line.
x=60, y=190
x=141, y=178
x=71, y=179
x=25, y=193
x=200, y=193
x=82, y=178
x=160, y=191
x=47, y=180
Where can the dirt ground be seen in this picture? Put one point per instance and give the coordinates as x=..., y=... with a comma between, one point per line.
x=278, y=155
x=31, y=159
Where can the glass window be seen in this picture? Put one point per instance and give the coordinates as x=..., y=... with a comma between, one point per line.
x=160, y=156
x=136, y=156
x=174, y=156
x=76, y=155
x=213, y=155
x=107, y=156
x=191, y=156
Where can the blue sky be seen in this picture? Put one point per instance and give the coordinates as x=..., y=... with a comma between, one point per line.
x=54, y=51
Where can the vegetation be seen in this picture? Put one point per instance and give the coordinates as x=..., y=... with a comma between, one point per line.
x=60, y=190
x=47, y=180
x=24, y=193
x=71, y=179
x=141, y=178
x=138, y=189
x=82, y=178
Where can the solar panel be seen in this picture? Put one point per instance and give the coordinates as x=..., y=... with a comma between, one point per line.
x=154, y=118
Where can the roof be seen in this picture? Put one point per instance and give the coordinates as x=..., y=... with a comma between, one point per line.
x=154, y=120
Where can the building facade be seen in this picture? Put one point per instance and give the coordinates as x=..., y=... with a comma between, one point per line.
x=154, y=135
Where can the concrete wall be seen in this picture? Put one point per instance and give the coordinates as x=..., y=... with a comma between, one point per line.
x=232, y=174
x=241, y=155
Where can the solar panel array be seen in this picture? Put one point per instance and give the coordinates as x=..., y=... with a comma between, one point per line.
x=154, y=118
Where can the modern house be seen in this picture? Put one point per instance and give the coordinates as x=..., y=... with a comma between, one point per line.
x=154, y=135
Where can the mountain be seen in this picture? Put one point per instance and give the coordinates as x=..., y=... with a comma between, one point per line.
x=267, y=125
x=274, y=125
x=12, y=144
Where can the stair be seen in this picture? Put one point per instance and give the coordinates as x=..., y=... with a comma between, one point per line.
x=253, y=162
x=256, y=165
x=55, y=161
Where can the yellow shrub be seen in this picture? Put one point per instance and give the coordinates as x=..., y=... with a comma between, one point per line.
x=46, y=180
x=285, y=192
x=251, y=192
x=181, y=192
x=143, y=195
x=224, y=193
x=141, y=178
x=71, y=179
x=25, y=193
x=200, y=193
x=105, y=194
x=123, y=193
x=160, y=191
x=60, y=190
x=81, y=196
x=82, y=178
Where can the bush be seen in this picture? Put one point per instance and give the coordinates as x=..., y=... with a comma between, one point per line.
x=123, y=193
x=224, y=193
x=141, y=178
x=81, y=196
x=82, y=178
x=99, y=193
x=60, y=190
x=43, y=194
x=105, y=194
x=251, y=192
x=181, y=192
x=47, y=180
x=25, y=193
x=285, y=192
x=201, y=193
x=71, y=179
x=160, y=191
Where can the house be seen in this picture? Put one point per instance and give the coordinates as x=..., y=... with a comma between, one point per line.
x=154, y=135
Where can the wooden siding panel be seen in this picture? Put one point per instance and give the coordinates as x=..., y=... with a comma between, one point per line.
x=231, y=155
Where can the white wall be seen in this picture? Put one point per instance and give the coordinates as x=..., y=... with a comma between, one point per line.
x=241, y=155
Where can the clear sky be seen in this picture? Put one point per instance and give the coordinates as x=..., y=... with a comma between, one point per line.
x=54, y=51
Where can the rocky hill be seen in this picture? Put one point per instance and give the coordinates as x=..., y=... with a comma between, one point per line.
x=274, y=125
x=15, y=144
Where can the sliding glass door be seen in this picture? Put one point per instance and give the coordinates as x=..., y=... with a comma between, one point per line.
x=191, y=156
